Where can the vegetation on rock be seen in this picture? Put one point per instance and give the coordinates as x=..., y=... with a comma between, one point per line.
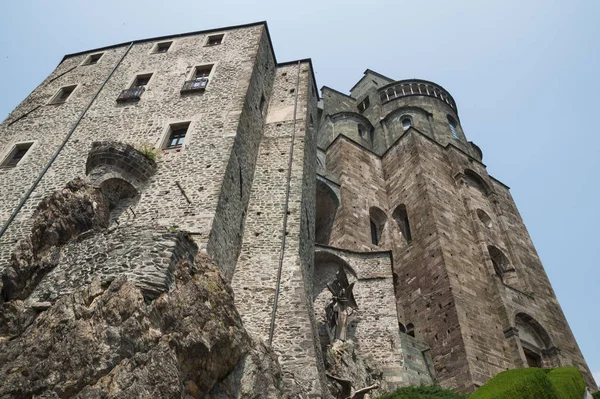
x=534, y=383
x=424, y=392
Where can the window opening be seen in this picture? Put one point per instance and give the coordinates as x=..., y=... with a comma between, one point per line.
x=401, y=217
x=63, y=94
x=215, y=40
x=361, y=131
x=406, y=123
x=16, y=155
x=176, y=137
x=453, y=128
x=410, y=329
x=163, y=47
x=141, y=81
x=94, y=58
x=374, y=237
x=263, y=105
x=363, y=105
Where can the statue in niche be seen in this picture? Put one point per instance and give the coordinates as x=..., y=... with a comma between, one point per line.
x=340, y=306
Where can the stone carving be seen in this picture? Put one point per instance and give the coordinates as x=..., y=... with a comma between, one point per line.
x=340, y=307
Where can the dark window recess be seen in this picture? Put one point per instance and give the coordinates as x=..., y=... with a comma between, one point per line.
x=176, y=137
x=63, y=94
x=363, y=105
x=362, y=131
x=199, y=81
x=94, y=58
x=401, y=217
x=136, y=90
x=214, y=40
x=16, y=155
x=374, y=235
x=263, y=105
x=406, y=123
x=163, y=47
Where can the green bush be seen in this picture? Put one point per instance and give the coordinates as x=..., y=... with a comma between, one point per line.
x=148, y=150
x=568, y=382
x=596, y=395
x=424, y=392
x=533, y=383
x=529, y=383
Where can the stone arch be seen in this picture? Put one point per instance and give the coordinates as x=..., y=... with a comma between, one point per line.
x=326, y=267
x=474, y=180
x=400, y=216
x=499, y=260
x=535, y=341
x=115, y=159
x=358, y=118
x=327, y=204
x=484, y=217
x=121, y=196
x=377, y=219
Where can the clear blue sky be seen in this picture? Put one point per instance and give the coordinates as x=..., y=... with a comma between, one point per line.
x=523, y=73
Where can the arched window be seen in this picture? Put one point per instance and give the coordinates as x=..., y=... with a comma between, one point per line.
x=535, y=341
x=475, y=181
x=453, y=128
x=327, y=204
x=401, y=327
x=377, y=224
x=362, y=131
x=406, y=123
x=484, y=217
x=401, y=218
x=499, y=260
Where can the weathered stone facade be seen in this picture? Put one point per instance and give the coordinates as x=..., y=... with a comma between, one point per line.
x=281, y=190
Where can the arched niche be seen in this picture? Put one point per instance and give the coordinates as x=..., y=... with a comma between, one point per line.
x=400, y=216
x=355, y=126
x=326, y=204
x=484, y=218
x=474, y=180
x=377, y=219
x=121, y=196
x=499, y=260
x=535, y=341
x=326, y=267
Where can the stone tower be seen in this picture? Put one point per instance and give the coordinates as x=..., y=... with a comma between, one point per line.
x=396, y=173
x=282, y=189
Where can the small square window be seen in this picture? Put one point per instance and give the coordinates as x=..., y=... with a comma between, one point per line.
x=141, y=80
x=198, y=80
x=215, y=40
x=176, y=136
x=163, y=47
x=16, y=155
x=93, y=59
x=63, y=94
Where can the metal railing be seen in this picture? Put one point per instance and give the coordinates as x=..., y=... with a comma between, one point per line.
x=415, y=88
x=132, y=94
x=194, y=85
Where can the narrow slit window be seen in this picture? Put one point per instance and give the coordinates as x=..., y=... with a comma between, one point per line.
x=453, y=128
x=362, y=131
x=374, y=235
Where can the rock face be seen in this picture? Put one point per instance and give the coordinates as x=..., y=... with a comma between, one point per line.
x=109, y=338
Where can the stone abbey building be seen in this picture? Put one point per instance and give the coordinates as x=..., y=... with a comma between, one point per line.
x=282, y=187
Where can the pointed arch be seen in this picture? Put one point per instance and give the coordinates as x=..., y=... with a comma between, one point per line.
x=477, y=182
x=327, y=204
x=535, y=340
x=377, y=219
x=400, y=216
x=499, y=260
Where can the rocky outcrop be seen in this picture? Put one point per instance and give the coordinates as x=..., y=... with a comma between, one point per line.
x=350, y=376
x=109, y=338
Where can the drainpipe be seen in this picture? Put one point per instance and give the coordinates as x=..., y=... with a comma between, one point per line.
x=67, y=137
x=285, y=211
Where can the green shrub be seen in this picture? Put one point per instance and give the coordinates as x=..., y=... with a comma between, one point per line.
x=596, y=395
x=529, y=383
x=534, y=383
x=149, y=151
x=424, y=392
x=568, y=382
